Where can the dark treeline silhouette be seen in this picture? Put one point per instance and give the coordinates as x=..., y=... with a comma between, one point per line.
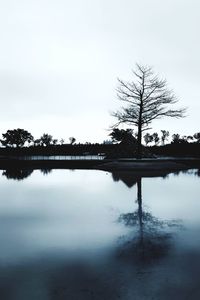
x=176, y=138
x=155, y=144
x=20, y=142
x=180, y=146
x=17, y=138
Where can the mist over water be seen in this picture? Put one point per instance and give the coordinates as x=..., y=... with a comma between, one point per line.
x=88, y=234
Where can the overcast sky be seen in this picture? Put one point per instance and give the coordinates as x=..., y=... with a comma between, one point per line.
x=60, y=59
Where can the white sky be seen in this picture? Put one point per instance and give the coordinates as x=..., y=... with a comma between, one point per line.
x=59, y=61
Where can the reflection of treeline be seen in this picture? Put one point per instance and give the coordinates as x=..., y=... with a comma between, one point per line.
x=17, y=174
x=21, y=174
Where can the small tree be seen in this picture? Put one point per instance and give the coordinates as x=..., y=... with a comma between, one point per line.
x=165, y=135
x=156, y=138
x=119, y=135
x=16, y=138
x=46, y=139
x=184, y=139
x=148, y=138
x=147, y=98
x=37, y=142
x=72, y=140
x=197, y=137
x=54, y=142
x=190, y=138
x=176, y=138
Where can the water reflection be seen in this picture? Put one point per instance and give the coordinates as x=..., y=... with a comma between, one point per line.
x=21, y=174
x=151, y=239
x=59, y=236
x=45, y=171
x=129, y=178
x=17, y=174
x=197, y=172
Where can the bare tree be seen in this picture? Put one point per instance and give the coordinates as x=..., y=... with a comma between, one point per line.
x=147, y=98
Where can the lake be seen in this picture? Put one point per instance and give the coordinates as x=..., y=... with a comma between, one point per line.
x=88, y=234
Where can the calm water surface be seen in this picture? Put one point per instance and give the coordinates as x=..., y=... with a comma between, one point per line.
x=94, y=235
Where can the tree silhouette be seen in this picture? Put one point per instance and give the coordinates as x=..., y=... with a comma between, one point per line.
x=197, y=137
x=54, y=141
x=37, y=142
x=177, y=139
x=62, y=141
x=46, y=139
x=120, y=135
x=16, y=137
x=147, y=98
x=190, y=138
x=148, y=138
x=156, y=138
x=72, y=140
x=165, y=135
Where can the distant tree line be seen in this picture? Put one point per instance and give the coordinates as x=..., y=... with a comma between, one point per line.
x=121, y=135
x=176, y=138
x=20, y=137
x=162, y=143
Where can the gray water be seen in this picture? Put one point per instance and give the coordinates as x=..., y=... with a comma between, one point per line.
x=94, y=235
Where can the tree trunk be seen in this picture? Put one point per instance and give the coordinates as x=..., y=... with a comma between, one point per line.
x=139, y=143
x=139, y=139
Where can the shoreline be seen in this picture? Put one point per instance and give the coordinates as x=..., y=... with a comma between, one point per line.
x=145, y=164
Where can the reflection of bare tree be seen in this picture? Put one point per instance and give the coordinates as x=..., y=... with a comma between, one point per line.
x=152, y=237
x=17, y=174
